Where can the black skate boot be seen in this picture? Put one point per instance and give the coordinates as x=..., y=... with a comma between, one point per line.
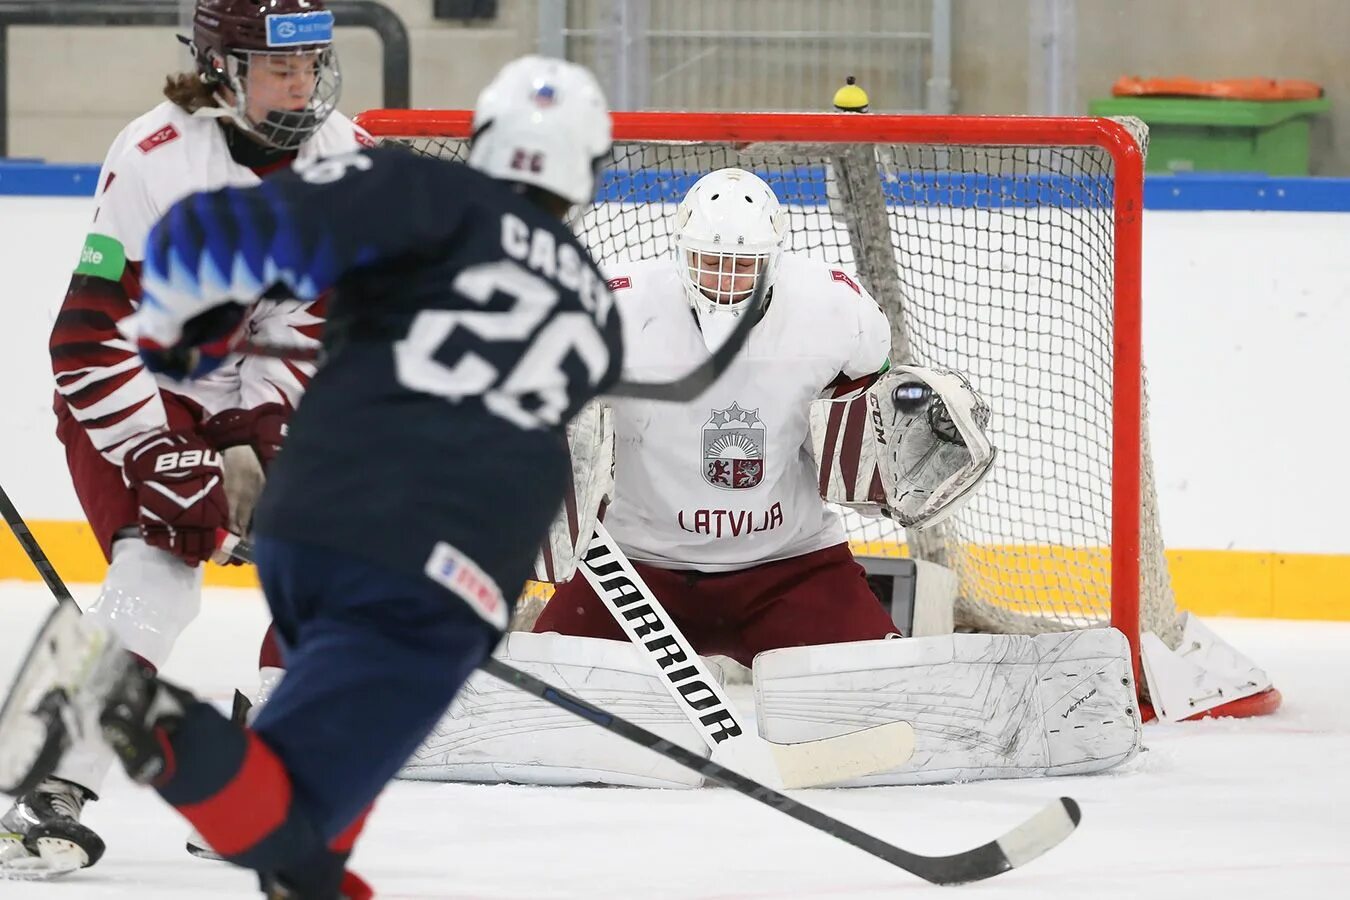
x=41, y=835
x=139, y=716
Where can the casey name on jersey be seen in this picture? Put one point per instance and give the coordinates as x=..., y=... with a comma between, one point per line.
x=720, y=523
x=539, y=250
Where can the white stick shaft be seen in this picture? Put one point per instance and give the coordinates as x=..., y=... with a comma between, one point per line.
x=701, y=698
x=633, y=605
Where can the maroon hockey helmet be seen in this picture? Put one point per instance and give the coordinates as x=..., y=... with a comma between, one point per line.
x=230, y=35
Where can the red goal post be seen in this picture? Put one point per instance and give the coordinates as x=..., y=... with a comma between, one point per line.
x=1004, y=223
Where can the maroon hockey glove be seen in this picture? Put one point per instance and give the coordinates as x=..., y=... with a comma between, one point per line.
x=180, y=489
x=262, y=428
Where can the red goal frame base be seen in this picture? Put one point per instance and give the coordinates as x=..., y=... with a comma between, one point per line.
x=1262, y=704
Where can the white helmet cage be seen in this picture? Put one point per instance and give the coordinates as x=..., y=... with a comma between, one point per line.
x=545, y=123
x=729, y=218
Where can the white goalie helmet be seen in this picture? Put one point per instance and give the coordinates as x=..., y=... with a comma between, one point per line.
x=729, y=229
x=542, y=122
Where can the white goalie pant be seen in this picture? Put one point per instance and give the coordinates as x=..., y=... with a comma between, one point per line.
x=494, y=732
x=982, y=706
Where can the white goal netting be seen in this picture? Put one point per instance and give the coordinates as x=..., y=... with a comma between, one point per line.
x=998, y=261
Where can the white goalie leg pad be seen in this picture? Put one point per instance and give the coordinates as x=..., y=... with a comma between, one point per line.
x=982, y=706
x=494, y=732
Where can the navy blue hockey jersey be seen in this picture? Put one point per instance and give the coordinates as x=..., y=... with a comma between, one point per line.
x=467, y=326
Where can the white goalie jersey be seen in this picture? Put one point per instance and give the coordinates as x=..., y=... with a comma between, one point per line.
x=729, y=480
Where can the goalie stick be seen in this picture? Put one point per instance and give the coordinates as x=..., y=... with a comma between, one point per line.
x=700, y=696
x=1019, y=846
x=703, y=701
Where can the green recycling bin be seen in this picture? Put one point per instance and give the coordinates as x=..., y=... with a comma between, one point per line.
x=1201, y=134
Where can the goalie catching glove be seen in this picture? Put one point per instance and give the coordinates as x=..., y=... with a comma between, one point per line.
x=912, y=447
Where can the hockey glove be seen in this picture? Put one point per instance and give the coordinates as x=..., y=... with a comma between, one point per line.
x=262, y=428
x=205, y=342
x=180, y=490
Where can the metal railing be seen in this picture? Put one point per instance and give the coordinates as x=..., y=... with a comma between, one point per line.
x=396, y=55
x=757, y=54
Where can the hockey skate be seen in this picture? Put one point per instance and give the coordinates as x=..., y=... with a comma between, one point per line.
x=41, y=835
x=56, y=696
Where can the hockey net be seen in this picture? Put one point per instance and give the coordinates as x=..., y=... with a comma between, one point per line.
x=1005, y=247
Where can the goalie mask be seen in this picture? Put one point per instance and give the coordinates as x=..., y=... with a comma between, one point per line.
x=272, y=65
x=729, y=232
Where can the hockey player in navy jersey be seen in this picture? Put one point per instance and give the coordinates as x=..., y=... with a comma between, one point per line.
x=468, y=325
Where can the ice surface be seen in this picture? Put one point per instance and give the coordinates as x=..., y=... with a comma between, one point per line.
x=1238, y=810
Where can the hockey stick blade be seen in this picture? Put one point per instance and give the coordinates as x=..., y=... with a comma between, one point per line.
x=702, y=376
x=1040, y=833
x=240, y=548
x=37, y=719
x=847, y=756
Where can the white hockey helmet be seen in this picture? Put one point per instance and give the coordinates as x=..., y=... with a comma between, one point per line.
x=542, y=122
x=729, y=229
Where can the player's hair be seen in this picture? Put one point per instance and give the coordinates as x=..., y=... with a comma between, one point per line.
x=189, y=92
x=550, y=202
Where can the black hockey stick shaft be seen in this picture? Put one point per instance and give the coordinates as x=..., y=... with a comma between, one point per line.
x=33, y=550
x=1043, y=831
x=684, y=388
x=1024, y=843
x=690, y=385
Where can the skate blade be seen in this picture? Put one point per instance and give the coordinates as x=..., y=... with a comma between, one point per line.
x=17, y=864
x=201, y=851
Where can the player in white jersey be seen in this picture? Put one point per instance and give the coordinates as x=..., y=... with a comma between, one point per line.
x=717, y=501
x=164, y=468
x=721, y=507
